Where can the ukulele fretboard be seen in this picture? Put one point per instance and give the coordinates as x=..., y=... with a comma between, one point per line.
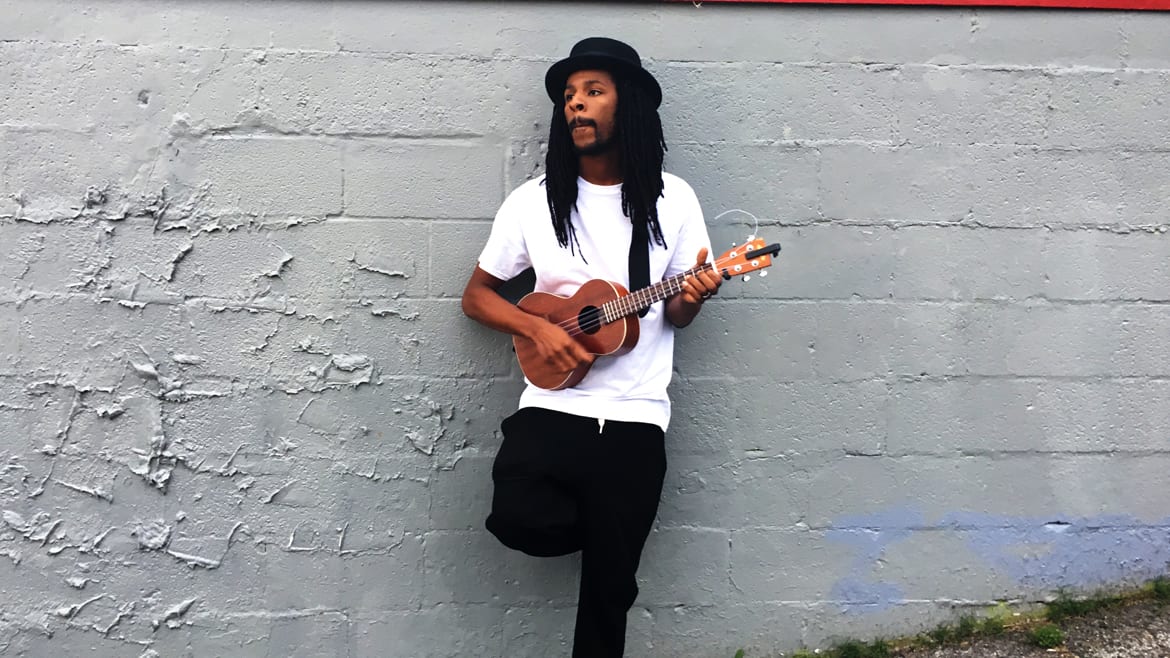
x=639, y=299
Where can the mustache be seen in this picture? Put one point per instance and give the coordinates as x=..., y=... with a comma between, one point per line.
x=581, y=122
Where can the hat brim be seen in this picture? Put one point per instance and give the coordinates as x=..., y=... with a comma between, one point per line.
x=554, y=80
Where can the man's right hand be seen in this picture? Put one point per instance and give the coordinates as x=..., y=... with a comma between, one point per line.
x=482, y=303
x=556, y=346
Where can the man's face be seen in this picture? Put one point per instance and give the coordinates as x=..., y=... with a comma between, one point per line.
x=591, y=110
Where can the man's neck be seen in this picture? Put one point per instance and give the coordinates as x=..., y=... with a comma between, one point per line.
x=602, y=169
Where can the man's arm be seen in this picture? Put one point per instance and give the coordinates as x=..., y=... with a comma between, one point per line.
x=483, y=304
x=682, y=308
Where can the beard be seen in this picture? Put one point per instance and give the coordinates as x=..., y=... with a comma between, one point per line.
x=599, y=146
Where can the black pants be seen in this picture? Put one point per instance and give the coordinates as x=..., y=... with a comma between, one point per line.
x=562, y=484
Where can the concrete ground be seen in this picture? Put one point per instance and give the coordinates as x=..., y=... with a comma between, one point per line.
x=1139, y=629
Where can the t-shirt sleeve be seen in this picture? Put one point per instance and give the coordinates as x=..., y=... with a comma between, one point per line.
x=506, y=255
x=693, y=234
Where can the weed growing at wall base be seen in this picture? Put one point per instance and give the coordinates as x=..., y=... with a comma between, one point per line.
x=967, y=628
x=875, y=649
x=1162, y=590
x=993, y=626
x=1047, y=636
x=850, y=649
x=1064, y=606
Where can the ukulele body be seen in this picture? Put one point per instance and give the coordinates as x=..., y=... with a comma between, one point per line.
x=580, y=316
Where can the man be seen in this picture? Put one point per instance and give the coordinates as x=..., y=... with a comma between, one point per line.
x=582, y=468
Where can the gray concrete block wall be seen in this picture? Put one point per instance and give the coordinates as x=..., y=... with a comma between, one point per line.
x=242, y=414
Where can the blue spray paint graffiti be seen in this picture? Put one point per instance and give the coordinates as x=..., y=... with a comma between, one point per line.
x=1042, y=554
x=870, y=535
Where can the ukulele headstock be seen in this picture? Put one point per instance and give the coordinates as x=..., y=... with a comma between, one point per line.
x=746, y=258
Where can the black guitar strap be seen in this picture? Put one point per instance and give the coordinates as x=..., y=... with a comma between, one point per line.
x=640, y=261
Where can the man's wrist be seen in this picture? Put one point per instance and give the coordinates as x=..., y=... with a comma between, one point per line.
x=680, y=312
x=530, y=326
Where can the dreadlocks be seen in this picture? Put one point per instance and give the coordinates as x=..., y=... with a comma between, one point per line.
x=639, y=136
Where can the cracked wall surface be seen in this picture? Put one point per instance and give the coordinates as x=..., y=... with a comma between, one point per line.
x=242, y=414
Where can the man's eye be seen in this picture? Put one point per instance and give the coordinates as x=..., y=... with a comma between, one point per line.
x=594, y=92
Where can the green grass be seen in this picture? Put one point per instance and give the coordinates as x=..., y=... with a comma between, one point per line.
x=1064, y=607
x=1047, y=636
x=1162, y=589
x=992, y=626
x=849, y=649
x=966, y=629
x=854, y=649
x=940, y=635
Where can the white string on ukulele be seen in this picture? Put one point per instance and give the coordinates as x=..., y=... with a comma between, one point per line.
x=625, y=305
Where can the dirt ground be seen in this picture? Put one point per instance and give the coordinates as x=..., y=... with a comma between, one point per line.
x=1139, y=629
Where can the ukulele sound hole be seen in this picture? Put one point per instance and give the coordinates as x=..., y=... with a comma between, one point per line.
x=589, y=319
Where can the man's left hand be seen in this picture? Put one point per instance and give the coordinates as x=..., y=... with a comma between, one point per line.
x=698, y=288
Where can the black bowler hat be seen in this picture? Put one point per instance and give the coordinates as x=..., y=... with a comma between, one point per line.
x=605, y=54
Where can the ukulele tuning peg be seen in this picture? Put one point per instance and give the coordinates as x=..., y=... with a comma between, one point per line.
x=764, y=273
x=747, y=277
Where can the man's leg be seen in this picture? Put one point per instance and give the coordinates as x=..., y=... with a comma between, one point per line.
x=622, y=482
x=532, y=510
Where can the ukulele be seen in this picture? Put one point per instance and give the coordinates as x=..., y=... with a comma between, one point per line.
x=598, y=315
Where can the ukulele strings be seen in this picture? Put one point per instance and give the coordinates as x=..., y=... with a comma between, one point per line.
x=596, y=322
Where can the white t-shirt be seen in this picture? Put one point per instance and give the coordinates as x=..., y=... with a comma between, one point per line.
x=631, y=387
